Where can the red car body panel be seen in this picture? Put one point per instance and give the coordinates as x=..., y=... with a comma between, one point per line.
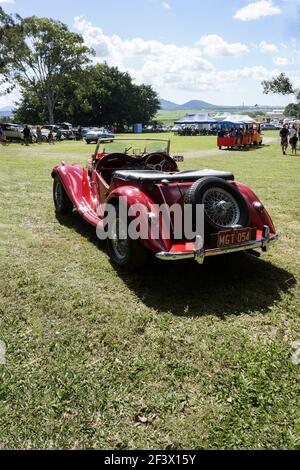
x=90, y=192
x=76, y=182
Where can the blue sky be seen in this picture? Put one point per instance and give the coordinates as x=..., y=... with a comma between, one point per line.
x=187, y=49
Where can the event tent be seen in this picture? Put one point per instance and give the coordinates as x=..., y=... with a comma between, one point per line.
x=190, y=119
x=236, y=119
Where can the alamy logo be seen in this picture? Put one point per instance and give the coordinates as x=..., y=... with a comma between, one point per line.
x=151, y=221
x=2, y=352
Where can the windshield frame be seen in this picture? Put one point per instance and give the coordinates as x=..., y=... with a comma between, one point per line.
x=128, y=139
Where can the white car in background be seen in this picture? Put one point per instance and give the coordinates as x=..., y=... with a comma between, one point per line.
x=98, y=133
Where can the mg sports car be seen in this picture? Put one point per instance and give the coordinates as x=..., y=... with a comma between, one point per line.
x=142, y=173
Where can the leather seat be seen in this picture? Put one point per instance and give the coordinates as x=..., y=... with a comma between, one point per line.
x=178, y=177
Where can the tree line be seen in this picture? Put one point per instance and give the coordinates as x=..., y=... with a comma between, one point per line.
x=58, y=82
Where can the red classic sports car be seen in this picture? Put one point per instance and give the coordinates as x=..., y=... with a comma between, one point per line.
x=134, y=194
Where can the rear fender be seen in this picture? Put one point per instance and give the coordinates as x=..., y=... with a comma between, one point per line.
x=258, y=218
x=135, y=196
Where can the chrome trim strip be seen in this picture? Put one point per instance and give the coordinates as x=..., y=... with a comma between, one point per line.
x=200, y=256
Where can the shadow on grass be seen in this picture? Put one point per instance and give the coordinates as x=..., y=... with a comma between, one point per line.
x=247, y=148
x=230, y=284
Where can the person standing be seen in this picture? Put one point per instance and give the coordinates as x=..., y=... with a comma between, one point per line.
x=293, y=139
x=27, y=134
x=39, y=136
x=284, y=134
x=58, y=135
x=51, y=136
x=2, y=136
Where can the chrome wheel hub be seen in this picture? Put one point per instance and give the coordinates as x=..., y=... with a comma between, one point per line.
x=221, y=207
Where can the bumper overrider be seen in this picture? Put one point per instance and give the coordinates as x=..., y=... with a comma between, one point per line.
x=200, y=254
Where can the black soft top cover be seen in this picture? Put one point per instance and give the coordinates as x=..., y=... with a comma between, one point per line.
x=177, y=177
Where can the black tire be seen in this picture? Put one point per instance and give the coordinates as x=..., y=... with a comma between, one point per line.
x=195, y=196
x=62, y=203
x=135, y=256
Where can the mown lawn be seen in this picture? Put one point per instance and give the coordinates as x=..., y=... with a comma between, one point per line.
x=180, y=356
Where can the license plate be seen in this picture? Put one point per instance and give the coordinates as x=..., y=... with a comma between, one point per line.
x=234, y=237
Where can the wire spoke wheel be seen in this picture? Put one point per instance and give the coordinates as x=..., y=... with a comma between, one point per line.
x=58, y=195
x=221, y=207
x=119, y=240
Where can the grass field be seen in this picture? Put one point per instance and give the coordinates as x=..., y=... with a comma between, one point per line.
x=181, y=356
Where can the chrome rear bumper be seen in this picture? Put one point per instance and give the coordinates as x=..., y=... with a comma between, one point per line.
x=200, y=255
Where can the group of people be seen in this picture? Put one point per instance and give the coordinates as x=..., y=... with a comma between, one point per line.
x=195, y=131
x=238, y=133
x=39, y=136
x=53, y=135
x=289, y=136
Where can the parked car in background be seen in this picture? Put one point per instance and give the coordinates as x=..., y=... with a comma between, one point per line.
x=83, y=131
x=67, y=130
x=270, y=127
x=98, y=133
x=45, y=133
x=50, y=127
x=14, y=132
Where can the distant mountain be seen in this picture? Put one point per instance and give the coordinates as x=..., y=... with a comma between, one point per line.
x=169, y=105
x=198, y=105
x=194, y=104
x=6, y=111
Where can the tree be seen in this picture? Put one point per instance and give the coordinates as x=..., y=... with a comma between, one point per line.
x=43, y=57
x=8, y=43
x=104, y=96
x=293, y=110
x=280, y=85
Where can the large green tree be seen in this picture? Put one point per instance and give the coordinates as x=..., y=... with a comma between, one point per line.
x=42, y=56
x=9, y=34
x=104, y=96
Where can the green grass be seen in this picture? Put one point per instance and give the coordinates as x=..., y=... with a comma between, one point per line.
x=202, y=352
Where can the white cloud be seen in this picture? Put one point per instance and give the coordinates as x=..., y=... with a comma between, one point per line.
x=9, y=99
x=118, y=51
x=170, y=67
x=256, y=10
x=7, y=1
x=268, y=48
x=166, y=6
x=215, y=46
x=282, y=61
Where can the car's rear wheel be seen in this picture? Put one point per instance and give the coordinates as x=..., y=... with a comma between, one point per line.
x=123, y=251
x=224, y=206
x=62, y=203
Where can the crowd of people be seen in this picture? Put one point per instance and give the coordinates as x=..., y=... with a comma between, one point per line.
x=30, y=136
x=196, y=131
x=289, y=136
x=52, y=136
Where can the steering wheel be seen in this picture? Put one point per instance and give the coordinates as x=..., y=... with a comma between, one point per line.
x=159, y=162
